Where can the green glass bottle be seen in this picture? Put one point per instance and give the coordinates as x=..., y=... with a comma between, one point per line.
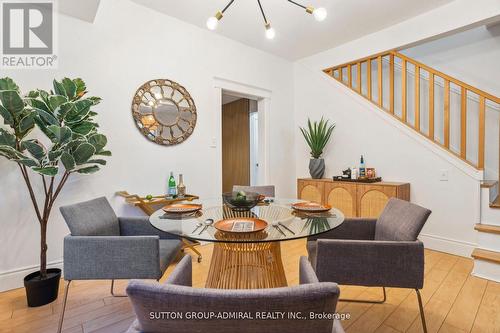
x=172, y=188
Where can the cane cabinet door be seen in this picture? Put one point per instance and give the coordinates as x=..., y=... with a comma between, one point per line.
x=372, y=199
x=311, y=190
x=342, y=196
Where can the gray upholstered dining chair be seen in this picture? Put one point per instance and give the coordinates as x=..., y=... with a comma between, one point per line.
x=177, y=296
x=102, y=246
x=383, y=252
x=267, y=190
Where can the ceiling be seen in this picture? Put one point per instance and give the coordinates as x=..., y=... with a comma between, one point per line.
x=297, y=33
x=83, y=10
x=229, y=98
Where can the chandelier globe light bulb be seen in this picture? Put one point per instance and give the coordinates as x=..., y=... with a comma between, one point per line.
x=212, y=23
x=320, y=14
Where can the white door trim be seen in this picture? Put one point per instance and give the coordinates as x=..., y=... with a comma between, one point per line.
x=263, y=97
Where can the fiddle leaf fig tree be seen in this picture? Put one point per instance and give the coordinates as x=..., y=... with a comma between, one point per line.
x=70, y=143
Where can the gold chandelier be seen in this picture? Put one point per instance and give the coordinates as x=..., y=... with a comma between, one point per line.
x=318, y=13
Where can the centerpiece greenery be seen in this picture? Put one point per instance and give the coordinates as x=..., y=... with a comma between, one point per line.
x=317, y=134
x=67, y=142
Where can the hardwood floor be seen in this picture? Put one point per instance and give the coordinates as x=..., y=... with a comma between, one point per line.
x=454, y=302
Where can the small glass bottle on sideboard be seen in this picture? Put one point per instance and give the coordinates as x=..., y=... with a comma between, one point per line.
x=172, y=188
x=181, y=188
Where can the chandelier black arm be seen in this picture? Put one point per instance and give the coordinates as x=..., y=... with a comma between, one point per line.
x=262, y=11
x=227, y=6
x=297, y=4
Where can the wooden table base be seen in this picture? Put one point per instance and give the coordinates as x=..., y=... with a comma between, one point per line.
x=246, y=265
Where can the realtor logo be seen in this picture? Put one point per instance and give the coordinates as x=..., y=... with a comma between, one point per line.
x=28, y=34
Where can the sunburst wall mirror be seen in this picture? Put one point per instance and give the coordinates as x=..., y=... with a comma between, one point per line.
x=164, y=112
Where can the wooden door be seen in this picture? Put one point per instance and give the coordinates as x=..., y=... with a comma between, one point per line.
x=372, y=199
x=342, y=196
x=311, y=190
x=235, y=144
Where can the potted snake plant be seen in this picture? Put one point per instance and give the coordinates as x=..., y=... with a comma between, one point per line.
x=317, y=134
x=64, y=141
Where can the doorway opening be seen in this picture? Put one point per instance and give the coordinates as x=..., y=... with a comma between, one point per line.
x=240, y=140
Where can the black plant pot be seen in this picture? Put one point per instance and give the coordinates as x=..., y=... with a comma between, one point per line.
x=42, y=291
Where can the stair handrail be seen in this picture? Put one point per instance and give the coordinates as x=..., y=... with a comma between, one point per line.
x=337, y=73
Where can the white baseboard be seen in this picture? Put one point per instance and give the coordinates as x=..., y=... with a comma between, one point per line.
x=448, y=245
x=14, y=279
x=486, y=270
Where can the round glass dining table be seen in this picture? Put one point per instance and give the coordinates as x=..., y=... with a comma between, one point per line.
x=247, y=260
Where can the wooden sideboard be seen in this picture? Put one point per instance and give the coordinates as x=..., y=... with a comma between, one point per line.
x=353, y=199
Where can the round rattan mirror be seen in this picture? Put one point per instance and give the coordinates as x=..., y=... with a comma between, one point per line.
x=164, y=112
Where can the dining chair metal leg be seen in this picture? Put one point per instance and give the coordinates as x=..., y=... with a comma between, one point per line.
x=365, y=301
x=113, y=290
x=61, y=318
x=190, y=245
x=421, y=307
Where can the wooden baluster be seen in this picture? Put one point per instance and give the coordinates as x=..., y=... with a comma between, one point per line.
x=463, y=124
x=341, y=75
x=482, y=114
x=391, y=83
x=369, y=78
x=403, y=90
x=379, y=73
x=447, y=113
x=417, y=98
x=358, y=78
x=349, y=75
x=431, y=106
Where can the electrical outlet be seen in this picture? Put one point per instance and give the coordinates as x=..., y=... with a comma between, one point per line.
x=443, y=175
x=213, y=143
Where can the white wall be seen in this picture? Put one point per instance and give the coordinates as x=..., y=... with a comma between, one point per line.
x=126, y=46
x=472, y=132
x=431, y=25
x=397, y=152
x=471, y=56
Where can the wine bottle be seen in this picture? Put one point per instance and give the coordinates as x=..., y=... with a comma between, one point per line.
x=172, y=188
x=362, y=168
x=181, y=188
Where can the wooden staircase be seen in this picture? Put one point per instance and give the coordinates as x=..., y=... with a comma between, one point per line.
x=374, y=78
x=493, y=197
x=487, y=254
x=452, y=114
